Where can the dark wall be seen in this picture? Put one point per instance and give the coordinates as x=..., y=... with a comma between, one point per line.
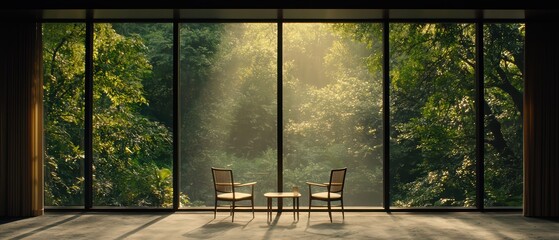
x=21, y=165
x=541, y=119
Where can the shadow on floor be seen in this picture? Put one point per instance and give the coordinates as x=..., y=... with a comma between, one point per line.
x=143, y=226
x=217, y=228
x=38, y=230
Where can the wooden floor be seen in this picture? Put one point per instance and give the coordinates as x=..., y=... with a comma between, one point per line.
x=357, y=225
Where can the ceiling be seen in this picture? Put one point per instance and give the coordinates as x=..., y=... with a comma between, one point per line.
x=285, y=14
x=279, y=9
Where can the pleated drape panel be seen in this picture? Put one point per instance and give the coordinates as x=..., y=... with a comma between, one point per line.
x=541, y=120
x=21, y=120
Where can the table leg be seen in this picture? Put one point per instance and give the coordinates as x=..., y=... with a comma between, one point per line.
x=297, y=209
x=269, y=212
x=293, y=208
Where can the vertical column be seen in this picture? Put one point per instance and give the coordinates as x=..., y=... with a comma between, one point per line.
x=88, y=128
x=176, y=110
x=280, y=106
x=386, y=113
x=480, y=174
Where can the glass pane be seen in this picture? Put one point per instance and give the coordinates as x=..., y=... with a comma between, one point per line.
x=432, y=115
x=504, y=90
x=132, y=115
x=332, y=88
x=64, y=77
x=228, y=107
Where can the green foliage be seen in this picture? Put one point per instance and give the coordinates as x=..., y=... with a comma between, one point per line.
x=64, y=51
x=332, y=109
x=432, y=114
x=158, y=87
x=132, y=152
x=434, y=64
x=229, y=109
x=504, y=81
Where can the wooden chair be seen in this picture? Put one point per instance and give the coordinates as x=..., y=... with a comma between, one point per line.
x=225, y=190
x=334, y=191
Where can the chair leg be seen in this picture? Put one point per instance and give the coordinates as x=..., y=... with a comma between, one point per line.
x=330, y=210
x=343, y=216
x=310, y=203
x=215, y=207
x=233, y=212
x=252, y=204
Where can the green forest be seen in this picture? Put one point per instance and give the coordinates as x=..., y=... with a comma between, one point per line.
x=332, y=111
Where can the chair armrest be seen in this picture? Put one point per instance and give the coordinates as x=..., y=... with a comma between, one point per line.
x=317, y=184
x=245, y=184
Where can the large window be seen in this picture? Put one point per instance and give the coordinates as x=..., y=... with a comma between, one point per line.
x=132, y=115
x=432, y=115
x=332, y=107
x=327, y=113
x=504, y=88
x=228, y=107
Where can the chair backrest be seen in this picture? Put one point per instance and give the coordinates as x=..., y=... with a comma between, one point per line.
x=223, y=180
x=337, y=179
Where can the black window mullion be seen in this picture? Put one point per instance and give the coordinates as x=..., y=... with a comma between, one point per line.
x=280, y=105
x=176, y=111
x=386, y=114
x=88, y=128
x=479, y=91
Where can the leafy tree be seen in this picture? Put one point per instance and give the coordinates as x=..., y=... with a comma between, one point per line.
x=158, y=88
x=504, y=86
x=199, y=46
x=229, y=110
x=128, y=146
x=432, y=112
x=64, y=68
x=332, y=105
x=332, y=108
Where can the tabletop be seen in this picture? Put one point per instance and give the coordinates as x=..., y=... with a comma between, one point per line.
x=282, y=194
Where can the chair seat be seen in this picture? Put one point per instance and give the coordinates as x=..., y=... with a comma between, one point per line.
x=324, y=195
x=238, y=196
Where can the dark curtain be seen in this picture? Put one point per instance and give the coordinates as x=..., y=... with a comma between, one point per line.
x=541, y=120
x=21, y=119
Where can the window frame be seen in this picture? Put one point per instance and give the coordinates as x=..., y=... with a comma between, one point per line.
x=178, y=16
